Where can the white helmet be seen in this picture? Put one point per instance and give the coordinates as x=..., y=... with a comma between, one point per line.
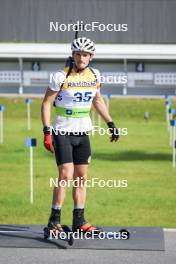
x=83, y=44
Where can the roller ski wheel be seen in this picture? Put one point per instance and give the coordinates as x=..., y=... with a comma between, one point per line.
x=67, y=230
x=125, y=232
x=64, y=229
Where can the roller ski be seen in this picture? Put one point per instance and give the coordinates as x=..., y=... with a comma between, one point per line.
x=62, y=232
x=87, y=230
x=55, y=230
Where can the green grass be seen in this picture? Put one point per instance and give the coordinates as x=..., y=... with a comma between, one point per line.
x=143, y=158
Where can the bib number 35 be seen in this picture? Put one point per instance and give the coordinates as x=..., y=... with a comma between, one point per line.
x=82, y=97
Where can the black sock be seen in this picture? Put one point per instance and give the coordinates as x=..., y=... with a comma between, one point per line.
x=55, y=216
x=78, y=218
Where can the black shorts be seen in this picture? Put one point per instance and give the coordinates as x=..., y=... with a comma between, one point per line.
x=72, y=148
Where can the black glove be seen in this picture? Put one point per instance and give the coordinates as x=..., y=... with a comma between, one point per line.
x=114, y=131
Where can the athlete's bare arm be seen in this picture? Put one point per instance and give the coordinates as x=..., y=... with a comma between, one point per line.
x=46, y=106
x=101, y=108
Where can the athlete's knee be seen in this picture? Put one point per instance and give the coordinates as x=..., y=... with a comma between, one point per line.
x=80, y=179
x=65, y=176
x=65, y=173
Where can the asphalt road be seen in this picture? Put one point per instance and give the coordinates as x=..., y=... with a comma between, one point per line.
x=76, y=256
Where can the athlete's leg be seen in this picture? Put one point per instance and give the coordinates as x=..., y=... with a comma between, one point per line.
x=81, y=159
x=79, y=197
x=64, y=160
x=65, y=175
x=79, y=190
x=63, y=154
x=59, y=192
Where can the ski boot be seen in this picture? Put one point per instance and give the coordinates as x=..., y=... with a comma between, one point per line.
x=81, y=225
x=56, y=230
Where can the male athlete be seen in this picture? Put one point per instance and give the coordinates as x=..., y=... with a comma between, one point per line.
x=73, y=91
